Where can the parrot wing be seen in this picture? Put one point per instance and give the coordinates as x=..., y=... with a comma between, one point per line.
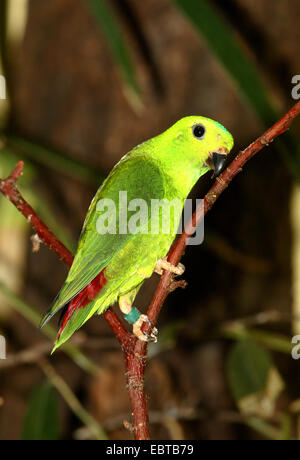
x=140, y=178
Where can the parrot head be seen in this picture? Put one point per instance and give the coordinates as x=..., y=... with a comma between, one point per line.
x=190, y=148
x=203, y=142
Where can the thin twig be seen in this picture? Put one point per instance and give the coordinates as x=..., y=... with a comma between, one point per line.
x=71, y=399
x=271, y=340
x=31, y=355
x=70, y=348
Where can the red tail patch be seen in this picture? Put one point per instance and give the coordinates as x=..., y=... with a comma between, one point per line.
x=82, y=299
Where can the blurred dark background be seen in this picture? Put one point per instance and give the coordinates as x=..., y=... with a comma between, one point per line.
x=86, y=81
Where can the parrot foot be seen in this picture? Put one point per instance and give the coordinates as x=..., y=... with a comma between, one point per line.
x=143, y=336
x=163, y=264
x=133, y=316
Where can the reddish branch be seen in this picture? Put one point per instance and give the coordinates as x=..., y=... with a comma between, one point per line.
x=135, y=351
x=8, y=188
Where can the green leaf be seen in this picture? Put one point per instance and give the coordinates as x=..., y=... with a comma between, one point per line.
x=221, y=39
x=110, y=28
x=242, y=70
x=20, y=147
x=248, y=368
x=41, y=421
x=253, y=379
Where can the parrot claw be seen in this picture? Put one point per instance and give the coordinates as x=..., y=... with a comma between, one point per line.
x=163, y=264
x=144, y=336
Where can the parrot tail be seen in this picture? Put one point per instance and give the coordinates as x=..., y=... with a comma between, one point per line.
x=82, y=299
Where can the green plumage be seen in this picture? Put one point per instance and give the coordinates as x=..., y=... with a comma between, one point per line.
x=165, y=167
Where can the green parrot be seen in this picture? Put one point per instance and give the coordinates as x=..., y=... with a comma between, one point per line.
x=119, y=247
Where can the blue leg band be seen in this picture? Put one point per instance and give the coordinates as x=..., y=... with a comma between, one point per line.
x=133, y=316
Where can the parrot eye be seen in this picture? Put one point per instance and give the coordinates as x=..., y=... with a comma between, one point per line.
x=199, y=131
